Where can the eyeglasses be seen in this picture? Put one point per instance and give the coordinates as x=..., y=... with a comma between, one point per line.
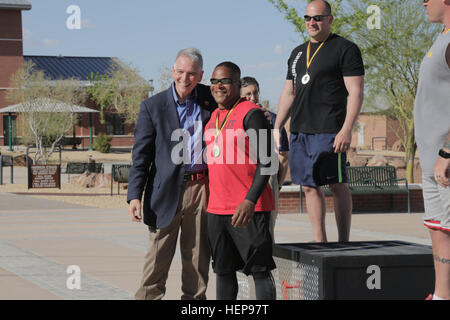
x=318, y=17
x=222, y=81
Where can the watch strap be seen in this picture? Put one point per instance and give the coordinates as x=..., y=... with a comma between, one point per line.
x=443, y=154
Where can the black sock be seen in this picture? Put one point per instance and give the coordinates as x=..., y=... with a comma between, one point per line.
x=264, y=286
x=226, y=286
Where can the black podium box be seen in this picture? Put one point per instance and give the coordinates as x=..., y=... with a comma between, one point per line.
x=353, y=270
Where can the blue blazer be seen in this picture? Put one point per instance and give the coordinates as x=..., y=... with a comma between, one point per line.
x=152, y=169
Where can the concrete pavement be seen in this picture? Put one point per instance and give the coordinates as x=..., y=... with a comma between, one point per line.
x=45, y=244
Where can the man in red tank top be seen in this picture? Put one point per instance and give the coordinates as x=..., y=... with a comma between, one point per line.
x=239, y=151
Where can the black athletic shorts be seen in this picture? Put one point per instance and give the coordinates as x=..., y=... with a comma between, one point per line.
x=248, y=249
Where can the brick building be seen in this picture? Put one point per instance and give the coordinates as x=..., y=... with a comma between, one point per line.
x=56, y=68
x=375, y=131
x=11, y=48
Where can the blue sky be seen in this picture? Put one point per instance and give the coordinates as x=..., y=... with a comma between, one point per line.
x=148, y=34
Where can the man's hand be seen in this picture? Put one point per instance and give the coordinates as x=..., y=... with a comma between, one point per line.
x=442, y=172
x=134, y=210
x=244, y=214
x=284, y=107
x=267, y=115
x=342, y=141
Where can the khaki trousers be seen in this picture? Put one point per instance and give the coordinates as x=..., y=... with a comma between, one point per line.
x=190, y=222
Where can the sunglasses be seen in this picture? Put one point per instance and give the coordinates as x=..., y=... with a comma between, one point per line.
x=317, y=18
x=222, y=81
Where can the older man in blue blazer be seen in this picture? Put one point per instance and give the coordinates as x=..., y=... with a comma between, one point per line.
x=168, y=164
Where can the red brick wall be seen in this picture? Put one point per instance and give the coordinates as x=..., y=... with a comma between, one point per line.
x=374, y=126
x=117, y=141
x=11, y=52
x=83, y=128
x=10, y=24
x=289, y=202
x=393, y=131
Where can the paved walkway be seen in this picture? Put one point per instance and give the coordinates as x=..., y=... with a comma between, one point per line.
x=44, y=244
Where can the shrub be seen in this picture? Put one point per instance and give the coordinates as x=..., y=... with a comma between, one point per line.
x=102, y=143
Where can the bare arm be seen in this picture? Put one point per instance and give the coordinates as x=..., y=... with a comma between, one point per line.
x=284, y=107
x=446, y=145
x=355, y=88
x=442, y=166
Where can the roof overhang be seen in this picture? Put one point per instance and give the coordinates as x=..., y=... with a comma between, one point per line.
x=15, y=5
x=46, y=105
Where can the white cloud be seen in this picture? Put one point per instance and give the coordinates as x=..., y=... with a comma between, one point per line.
x=280, y=49
x=27, y=34
x=31, y=41
x=262, y=66
x=50, y=42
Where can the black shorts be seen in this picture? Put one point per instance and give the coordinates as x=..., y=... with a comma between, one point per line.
x=248, y=249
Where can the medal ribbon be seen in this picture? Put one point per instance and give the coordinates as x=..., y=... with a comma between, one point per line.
x=308, y=53
x=218, y=131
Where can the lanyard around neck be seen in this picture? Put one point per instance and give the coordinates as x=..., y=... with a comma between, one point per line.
x=308, y=54
x=218, y=131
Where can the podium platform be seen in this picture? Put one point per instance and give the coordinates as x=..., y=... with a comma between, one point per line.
x=370, y=270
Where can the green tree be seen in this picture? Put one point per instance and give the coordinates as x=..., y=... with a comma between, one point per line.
x=45, y=107
x=165, y=78
x=121, y=90
x=392, y=54
x=343, y=16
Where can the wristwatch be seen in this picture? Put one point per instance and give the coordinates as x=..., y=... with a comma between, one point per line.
x=444, y=154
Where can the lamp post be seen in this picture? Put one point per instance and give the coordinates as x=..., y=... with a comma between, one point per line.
x=90, y=132
x=10, y=131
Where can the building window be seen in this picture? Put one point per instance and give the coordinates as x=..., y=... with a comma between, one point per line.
x=115, y=124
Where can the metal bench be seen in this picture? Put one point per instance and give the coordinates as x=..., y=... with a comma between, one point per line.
x=70, y=141
x=82, y=167
x=6, y=161
x=119, y=174
x=371, y=180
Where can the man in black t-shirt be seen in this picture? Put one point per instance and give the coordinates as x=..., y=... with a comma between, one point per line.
x=323, y=94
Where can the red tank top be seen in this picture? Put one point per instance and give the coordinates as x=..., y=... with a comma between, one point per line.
x=231, y=171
